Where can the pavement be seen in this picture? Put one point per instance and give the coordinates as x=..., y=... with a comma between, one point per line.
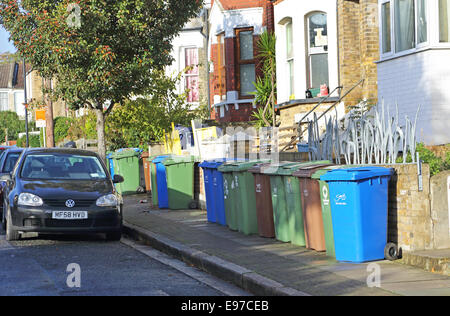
x=265, y=266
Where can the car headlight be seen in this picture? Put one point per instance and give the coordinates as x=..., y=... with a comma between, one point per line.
x=28, y=199
x=107, y=200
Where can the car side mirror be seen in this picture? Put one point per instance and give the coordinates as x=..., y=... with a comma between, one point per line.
x=118, y=179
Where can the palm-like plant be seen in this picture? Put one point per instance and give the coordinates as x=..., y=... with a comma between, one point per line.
x=265, y=93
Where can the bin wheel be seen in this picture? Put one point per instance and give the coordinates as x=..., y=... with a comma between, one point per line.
x=193, y=205
x=140, y=190
x=391, y=252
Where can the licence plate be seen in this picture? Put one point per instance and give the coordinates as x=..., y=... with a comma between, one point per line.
x=69, y=215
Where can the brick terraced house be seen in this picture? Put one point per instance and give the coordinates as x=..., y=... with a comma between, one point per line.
x=235, y=27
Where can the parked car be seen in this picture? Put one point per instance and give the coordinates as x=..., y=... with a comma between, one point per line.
x=3, y=148
x=8, y=160
x=61, y=191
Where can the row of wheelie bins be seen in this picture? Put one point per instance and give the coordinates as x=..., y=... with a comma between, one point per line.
x=172, y=181
x=338, y=209
x=127, y=162
x=170, y=178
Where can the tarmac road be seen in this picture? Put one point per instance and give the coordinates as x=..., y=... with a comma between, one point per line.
x=40, y=267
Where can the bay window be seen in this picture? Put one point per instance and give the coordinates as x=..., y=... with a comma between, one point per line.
x=422, y=24
x=405, y=25
x=386, y=27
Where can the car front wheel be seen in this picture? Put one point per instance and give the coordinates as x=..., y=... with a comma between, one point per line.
x=11, y=234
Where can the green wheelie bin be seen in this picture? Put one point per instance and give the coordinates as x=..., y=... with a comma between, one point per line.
x=239, y=185
x=180, y=182
x=287, y=202
x=326, y=208
x=229, y=193
x=126, y=164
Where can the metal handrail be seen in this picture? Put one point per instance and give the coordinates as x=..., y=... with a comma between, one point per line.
x=330, y=108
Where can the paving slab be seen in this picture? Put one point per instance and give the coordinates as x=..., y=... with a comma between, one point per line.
x=266, y=266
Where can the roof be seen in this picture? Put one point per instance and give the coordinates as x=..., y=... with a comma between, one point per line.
x=11, y=75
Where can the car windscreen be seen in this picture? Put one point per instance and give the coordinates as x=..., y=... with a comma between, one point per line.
x=10, y=162
x=62, y=167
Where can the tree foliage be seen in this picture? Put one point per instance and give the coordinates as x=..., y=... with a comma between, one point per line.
x=10, y=120
x=112, y=55
x=143, y=120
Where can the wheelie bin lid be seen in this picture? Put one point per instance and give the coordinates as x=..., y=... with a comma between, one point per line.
x=325, y=170
x=125, y=154
x=290, y=167
x=356, y=174
x=239, y=165
x=175, y=160
x=308, y=170
x=273, y=168
x=258, y=167
x=212, y=164
x=160, y=159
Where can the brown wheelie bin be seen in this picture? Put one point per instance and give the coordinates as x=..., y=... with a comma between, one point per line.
x=264, y=209
x=146, y=164
x=311, y=207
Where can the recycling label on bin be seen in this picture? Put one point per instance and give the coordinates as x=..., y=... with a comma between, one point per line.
x=340, y=199
x=325, y=196
x=289, y=186
x=206, y=178
x=225, y=189
x=215, y=181
x=258, y=188
x=236, y=180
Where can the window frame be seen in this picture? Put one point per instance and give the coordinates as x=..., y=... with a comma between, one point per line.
x=308, y=50
x=240, y=62
x=186, y=75
x=438, y=42
x=431, y=25
x=7, y=100
x=290, y=59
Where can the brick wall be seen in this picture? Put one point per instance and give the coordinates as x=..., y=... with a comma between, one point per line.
x=410, y=224
x=358, y=48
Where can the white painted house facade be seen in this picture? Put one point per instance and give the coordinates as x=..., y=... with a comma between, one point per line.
x=414, y=65
x=307, y=47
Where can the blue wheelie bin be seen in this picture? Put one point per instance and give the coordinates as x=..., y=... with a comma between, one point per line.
x=359, y=211
x=161, y=182
x=215, y=204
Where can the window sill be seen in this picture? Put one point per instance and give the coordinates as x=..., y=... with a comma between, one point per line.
x=305, y=101
x=413, y=51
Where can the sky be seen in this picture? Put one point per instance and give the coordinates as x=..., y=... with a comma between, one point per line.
x=5, y=45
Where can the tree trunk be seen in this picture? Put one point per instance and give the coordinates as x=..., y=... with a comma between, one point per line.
x=101, y=142
x=49, y=129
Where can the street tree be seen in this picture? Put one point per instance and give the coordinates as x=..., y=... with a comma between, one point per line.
x=100, y=52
